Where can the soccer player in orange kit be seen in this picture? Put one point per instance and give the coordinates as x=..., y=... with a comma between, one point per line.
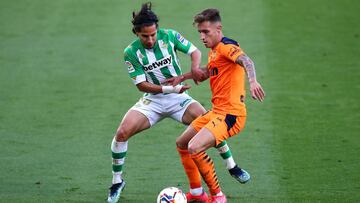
x=226, y=68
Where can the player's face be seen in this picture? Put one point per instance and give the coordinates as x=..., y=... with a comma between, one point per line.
x=147, y=36
x=210, y=33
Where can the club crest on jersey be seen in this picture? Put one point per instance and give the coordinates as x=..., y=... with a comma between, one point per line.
x=182, y=39
x=130, y=67
x=164, y=45
x=158, y=64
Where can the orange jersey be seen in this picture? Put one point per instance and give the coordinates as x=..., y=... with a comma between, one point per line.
x=227, y=78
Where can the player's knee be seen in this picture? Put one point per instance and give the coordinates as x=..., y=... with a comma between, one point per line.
x=122, y=134
x=181, y=143
x=192, y=148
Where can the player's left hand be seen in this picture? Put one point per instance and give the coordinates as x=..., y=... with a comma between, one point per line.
x=184, y=88
x=257, y=91
x=199, y=75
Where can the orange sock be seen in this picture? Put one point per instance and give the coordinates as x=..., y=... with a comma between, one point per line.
x=207, y=170
x=190, y=167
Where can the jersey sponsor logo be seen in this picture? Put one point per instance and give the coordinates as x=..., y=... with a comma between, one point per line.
x=242, y=98
x=158, y=64
x=182, y=39
x=214, y=71
x=130, y=67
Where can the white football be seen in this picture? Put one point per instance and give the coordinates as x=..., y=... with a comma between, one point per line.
x=171, y=195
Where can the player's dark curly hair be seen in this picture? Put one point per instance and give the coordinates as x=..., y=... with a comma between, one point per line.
x=210, y=14
x=145, y=17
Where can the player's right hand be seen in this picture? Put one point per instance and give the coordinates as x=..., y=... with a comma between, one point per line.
x=173, y=81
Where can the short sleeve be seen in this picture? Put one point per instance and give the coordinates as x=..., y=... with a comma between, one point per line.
x=231, y=51
x=134, y=67
x=182, y=44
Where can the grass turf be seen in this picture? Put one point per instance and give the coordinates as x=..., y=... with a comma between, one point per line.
x=64, y=89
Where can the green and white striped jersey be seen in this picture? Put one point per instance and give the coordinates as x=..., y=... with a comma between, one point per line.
x=159, y=63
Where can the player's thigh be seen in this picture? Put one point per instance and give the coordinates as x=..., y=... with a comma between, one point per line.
x=183, y=108
x=132, y=123
x=202, y=141
x=192, y=130
x=211, y=129
x=183, y=140
x=151, y=107
x=193, y=111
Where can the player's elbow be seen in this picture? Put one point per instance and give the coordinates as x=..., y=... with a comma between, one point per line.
x=196, y=55
x=142, y=87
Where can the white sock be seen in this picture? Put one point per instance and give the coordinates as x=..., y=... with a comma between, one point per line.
x=116, y=178
x=229, y=163
x=219, y=194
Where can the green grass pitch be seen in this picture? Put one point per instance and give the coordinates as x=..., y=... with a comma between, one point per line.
x=64, y=89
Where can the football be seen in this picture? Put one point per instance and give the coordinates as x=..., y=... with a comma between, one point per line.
x=171, y=195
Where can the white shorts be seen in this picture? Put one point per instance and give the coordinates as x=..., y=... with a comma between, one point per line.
x=158, y=106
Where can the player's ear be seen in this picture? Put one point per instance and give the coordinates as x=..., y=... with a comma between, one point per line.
x=219, y=27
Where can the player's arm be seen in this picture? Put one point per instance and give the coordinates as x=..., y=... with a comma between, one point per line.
x=198, y=75
x=256, y=90
x=185, y=46
x=152, y=88
x=181, y=78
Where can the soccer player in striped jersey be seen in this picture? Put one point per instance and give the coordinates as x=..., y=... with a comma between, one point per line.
x=226, y=68
x=150, y=60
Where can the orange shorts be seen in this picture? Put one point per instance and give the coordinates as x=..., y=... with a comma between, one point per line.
x=221, y=126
